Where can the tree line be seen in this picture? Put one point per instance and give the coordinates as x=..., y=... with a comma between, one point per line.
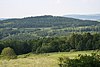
x=86, y=41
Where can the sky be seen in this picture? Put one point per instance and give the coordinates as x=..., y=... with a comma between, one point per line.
x=25, y=8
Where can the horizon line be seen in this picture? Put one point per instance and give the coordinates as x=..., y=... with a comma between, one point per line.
x=53, y=15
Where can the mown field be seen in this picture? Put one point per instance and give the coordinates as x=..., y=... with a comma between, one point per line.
x=40, y=60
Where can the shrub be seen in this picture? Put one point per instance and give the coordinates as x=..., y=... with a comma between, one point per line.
x=92, y=60
x=8, y=53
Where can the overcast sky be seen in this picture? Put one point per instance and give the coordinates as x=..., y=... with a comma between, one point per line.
x=24, y=8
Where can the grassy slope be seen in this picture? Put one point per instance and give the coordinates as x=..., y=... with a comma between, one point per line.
x=41, y=60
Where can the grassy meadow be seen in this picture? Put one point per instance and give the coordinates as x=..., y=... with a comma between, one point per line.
x=40, y=60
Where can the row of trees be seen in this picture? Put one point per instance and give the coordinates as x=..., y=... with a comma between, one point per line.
x=75, y=41
x=32, y=33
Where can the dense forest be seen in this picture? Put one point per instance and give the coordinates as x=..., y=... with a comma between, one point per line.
x=74, y=42
x=44, y=26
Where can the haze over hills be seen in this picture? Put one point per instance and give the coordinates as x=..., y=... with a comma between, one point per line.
x=84, y=17
x=3, y=18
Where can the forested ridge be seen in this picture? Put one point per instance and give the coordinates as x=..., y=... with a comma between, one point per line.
x=46, y=21
x=29, y=28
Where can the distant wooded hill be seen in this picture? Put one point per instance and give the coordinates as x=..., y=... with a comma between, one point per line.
x=85, y=17
x=45, y=26
x=46, y=21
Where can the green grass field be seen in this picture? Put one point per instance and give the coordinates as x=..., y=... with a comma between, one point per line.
x=40, y=60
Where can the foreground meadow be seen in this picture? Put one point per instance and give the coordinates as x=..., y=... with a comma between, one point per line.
x=40, y=60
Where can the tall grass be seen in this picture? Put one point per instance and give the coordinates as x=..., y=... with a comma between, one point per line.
x=40, y=60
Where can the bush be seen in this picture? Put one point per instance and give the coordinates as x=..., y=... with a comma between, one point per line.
x=8, y=53
x=92, y=60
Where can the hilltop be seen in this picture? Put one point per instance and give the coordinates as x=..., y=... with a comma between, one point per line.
x=45, y=21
